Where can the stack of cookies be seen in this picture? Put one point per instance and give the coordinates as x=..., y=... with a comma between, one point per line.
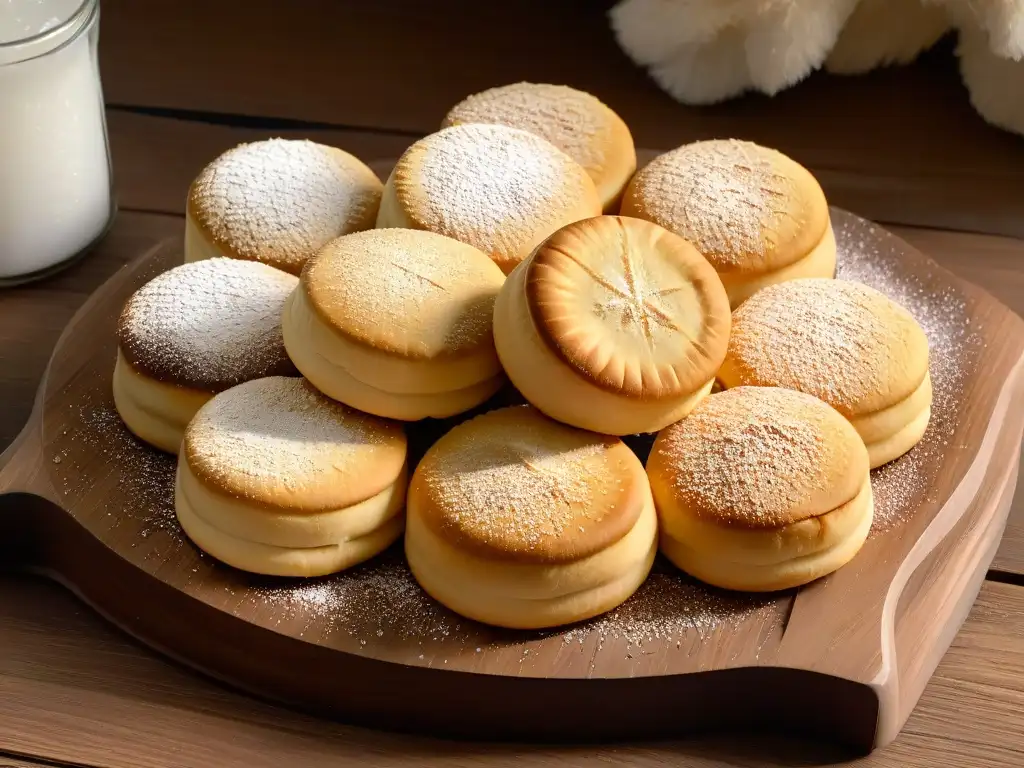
x=322, y=315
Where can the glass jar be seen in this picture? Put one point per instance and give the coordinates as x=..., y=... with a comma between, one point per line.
x=55, y=180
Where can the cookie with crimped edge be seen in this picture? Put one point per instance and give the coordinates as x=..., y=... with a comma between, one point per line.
x=757, y=215
x=576, y=122
x=520, y=521
x=278, y=201
x=192, y=332
x=275, y=478
x=613, y=324
x=845, y=343
x=499, y=189
x=397, y=323
x=761, y=489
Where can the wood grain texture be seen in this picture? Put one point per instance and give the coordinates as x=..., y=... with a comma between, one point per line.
x=901, y=145
x=866, y=638
x=73, y=689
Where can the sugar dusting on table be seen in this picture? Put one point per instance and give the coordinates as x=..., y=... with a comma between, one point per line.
x=954, y=348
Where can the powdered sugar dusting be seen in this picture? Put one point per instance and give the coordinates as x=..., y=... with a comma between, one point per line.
x=834, y=339
x=495, y=187
x=522, y=481
x=413, y=293
x=574, y=121
x=280, y=431
x=724, y=196
x=208, y=325
x=752, y=454
x=281, y=200
x=954, y=351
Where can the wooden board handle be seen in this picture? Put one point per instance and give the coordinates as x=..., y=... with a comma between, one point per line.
x=31, y=506
x=20, y=468
x=21, y=462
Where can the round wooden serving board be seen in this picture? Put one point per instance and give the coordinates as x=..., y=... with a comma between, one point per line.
x=846, y=657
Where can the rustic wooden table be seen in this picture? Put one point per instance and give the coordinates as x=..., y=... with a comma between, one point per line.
x=186, y=79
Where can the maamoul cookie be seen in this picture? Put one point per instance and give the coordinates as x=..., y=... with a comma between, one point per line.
x=397, y=323
x=497, y=188
x=758, y=216
x=576, y=122
x=842, y=342
x=613, y=324
x=519, y=521
x=191, y=332
x=761, y=489
x=274, y=478
x=278, y=202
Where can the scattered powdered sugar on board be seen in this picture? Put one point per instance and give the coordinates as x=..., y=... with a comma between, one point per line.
x=666, y=608
x=954, y=348
x=145, y=476
x=379, y=600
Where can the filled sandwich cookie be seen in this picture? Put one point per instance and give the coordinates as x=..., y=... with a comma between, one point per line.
x=518, y=521
x=500, y=189
x=613, y=324
x=278, y=202
x=576, y=122
x=397, y=323
x=192, y=332
x=758, y=216
x=761, y=489
x=276, y=479
x=842, y=342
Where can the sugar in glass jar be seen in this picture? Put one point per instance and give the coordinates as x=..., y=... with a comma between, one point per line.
x=55, y=180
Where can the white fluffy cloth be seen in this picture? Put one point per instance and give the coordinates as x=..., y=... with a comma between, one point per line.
x=704, y=51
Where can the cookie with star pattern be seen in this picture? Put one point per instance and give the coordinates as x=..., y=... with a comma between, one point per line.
x=613, y=324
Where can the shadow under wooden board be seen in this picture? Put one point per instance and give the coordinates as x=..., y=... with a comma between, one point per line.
x=84, y=502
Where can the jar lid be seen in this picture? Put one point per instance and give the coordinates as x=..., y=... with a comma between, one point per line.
x=33, y=28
